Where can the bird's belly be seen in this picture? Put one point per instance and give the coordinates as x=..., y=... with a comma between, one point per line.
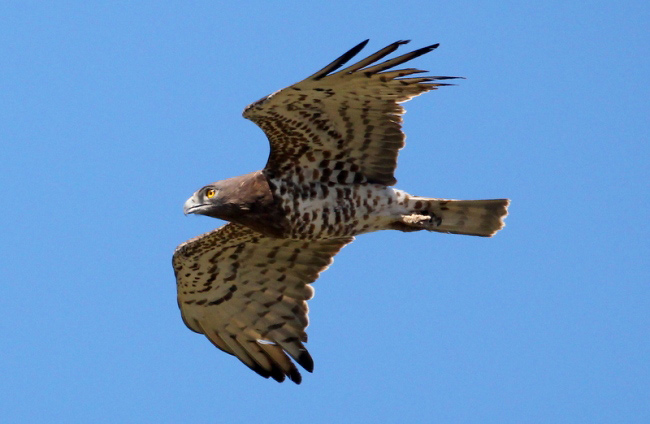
x=339, y=210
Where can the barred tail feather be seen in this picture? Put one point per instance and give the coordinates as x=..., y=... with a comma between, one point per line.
x=472, y=217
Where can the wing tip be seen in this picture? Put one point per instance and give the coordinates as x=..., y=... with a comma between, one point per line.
x=294, y=375
x=340, y=61
x=423, y=50
x=306, y=361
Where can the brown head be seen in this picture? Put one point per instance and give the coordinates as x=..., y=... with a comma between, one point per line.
x=246, y=199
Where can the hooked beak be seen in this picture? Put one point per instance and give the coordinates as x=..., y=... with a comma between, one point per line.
x=191, y=205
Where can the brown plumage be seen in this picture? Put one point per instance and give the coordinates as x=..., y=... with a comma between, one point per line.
x=334, y=139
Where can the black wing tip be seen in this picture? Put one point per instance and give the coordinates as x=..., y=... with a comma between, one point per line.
x=260, y=371
x=361, y=45
x=345, y=57
x=276, y=373
x=398, y=42
x=439, y=77
x=340, y=61
x=424, y=50
x=305, y=360
x=280, y=375
x=442, y=84
x=295, y=376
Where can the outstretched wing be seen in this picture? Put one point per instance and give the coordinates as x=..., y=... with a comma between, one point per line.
x=345, y=126
x=247, y=293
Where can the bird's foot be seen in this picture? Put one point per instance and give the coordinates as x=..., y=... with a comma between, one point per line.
x=424, y=222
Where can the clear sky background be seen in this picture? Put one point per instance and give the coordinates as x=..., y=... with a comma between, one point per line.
x=113, y=113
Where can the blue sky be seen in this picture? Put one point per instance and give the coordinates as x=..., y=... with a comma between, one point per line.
x=113, y=113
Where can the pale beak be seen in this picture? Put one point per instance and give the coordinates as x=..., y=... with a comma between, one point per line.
x=190, y=205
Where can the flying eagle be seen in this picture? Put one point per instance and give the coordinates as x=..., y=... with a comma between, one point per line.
x=334, y=138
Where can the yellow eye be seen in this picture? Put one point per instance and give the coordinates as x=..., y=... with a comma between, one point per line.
x=210, y=193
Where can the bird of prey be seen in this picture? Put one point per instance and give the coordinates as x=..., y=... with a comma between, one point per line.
x=334, y=138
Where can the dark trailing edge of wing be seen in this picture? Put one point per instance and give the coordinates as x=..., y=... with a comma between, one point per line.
x=340, y=61
x=275, y=372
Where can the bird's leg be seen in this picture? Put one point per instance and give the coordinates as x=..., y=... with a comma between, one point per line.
x=415, y=219
x=415, y=222
x=421, y=222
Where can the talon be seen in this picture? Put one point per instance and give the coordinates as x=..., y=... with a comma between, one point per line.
x=422, y=221
x=415, y=219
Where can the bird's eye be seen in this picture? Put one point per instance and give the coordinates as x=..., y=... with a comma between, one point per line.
x=210, y=193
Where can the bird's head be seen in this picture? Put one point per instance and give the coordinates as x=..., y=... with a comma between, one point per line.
x=206, y=201
x=230, y=199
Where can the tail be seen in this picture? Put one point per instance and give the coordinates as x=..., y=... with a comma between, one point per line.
x=472, y=217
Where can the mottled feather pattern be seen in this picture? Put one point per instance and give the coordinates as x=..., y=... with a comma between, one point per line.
x=318, y=210
x=247, y=293
x=345, y=123
x=334, y=139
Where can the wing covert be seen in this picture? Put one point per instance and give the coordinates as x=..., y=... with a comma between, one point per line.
x=342, y=126
x=247, y=293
